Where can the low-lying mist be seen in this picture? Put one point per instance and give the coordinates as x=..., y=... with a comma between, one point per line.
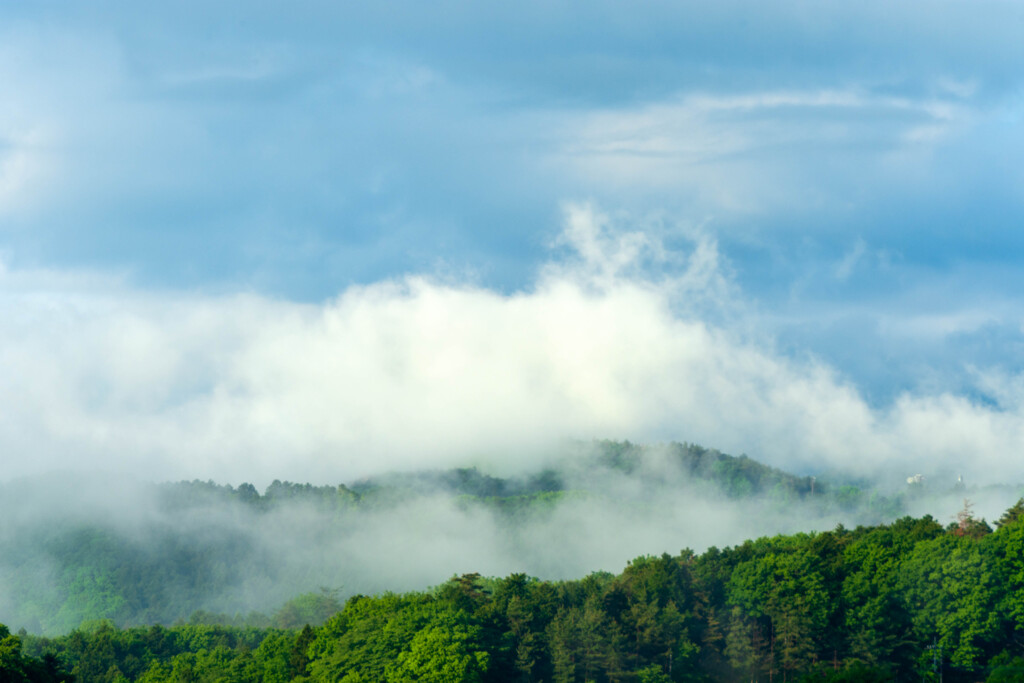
x=75, y=548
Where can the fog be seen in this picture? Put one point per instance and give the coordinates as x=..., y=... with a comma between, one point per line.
x=140, y=552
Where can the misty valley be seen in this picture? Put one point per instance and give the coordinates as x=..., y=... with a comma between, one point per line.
x=615, y=562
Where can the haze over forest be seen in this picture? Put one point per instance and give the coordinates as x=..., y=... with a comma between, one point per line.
x=74, y=549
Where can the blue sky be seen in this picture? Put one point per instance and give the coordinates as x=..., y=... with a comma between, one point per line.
x=853, y=169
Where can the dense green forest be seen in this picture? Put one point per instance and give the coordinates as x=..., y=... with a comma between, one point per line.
x=899, y=601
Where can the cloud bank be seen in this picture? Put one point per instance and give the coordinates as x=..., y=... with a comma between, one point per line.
x=621, y=338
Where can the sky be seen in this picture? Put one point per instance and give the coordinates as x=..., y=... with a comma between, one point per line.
x=251, y=241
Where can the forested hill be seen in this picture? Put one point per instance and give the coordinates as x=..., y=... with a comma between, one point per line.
x=80, y=549
x=705, y=469
x=734, y=476
x=907, y=601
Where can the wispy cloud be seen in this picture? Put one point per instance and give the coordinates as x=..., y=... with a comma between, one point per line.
x=758, y=151
x=24, y=164
x=849, y=262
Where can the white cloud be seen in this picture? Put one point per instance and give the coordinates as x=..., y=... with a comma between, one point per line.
x=415, y=373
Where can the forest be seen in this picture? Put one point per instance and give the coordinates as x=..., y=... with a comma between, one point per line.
x=900, y=601
x=911, y=598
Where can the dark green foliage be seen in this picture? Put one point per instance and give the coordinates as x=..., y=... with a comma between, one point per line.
x=417, y=637
x=857, y=672
x=1012, y=515
x=15, y=667
x=1011, y=671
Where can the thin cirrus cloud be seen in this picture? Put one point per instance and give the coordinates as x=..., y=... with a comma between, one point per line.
x=416, y=372
x=763, y=153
